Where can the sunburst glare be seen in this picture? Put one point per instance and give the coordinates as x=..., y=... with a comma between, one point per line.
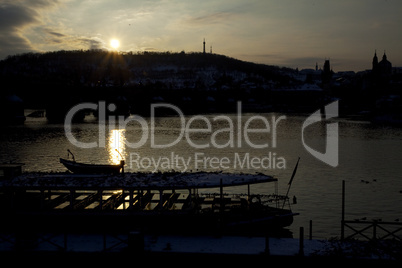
x=114, y=43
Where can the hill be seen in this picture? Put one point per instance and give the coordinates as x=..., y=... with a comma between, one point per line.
x=196, y=80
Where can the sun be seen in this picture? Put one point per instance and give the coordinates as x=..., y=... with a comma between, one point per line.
x=114, y=43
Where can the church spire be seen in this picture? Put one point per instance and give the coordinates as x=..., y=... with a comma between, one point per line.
x=204, y=46
x=375, y=60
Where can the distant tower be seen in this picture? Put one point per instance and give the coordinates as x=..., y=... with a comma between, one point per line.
x=316, y=66
x=326, y=74
x=375, y=62
x=210, y=50
x=204, y=46
x=327, y=66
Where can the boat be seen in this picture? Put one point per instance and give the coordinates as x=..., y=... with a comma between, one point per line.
x=83, y=168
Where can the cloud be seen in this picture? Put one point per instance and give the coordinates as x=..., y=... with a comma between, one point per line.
x=25, y=27
x=56, y=34
x=67, y=41
x=15, y=17
x=211, y=18
x=91, y=43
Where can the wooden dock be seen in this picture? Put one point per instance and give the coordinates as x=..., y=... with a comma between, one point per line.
x=152, y=201
x=129, y=191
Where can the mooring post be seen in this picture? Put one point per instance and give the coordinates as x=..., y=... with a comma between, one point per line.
x=160, y=198
x=248, y=196
x=141, y=195
x=267, y=252
x=42, y=199
x=131, y=198
x=104, y=241
x=221, y=195
x=301, y=242
x=343, y=211
x=374, y=230
x=311, y=230
x=65, y=241
x=221, y=208
x=136, y=242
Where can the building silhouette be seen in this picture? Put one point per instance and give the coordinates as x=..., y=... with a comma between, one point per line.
x=327, y=73
x=382, y=68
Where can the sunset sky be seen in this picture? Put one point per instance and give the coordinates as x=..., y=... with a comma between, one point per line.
x=292, y=33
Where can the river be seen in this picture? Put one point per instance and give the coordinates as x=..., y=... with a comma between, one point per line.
x=370, y=157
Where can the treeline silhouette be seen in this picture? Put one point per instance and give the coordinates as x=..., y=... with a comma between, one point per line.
x=196, y=82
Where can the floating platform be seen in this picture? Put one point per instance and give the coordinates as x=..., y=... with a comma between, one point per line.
x=162, y=202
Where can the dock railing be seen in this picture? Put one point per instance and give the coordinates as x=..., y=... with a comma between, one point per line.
x=373, y=230
x=370, y=230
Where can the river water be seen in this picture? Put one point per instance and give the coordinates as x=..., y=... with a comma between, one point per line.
x=370, y=157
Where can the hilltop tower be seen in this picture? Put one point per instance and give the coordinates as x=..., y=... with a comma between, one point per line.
x=204, y=46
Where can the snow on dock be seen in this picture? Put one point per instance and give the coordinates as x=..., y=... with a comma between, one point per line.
x=117, y=246
x=139, y=180
x=239, y=245
x=187, y=245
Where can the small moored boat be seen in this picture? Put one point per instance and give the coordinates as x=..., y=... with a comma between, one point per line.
x=83, y=168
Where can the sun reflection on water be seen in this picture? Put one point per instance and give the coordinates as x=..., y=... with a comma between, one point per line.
x=116, y=146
